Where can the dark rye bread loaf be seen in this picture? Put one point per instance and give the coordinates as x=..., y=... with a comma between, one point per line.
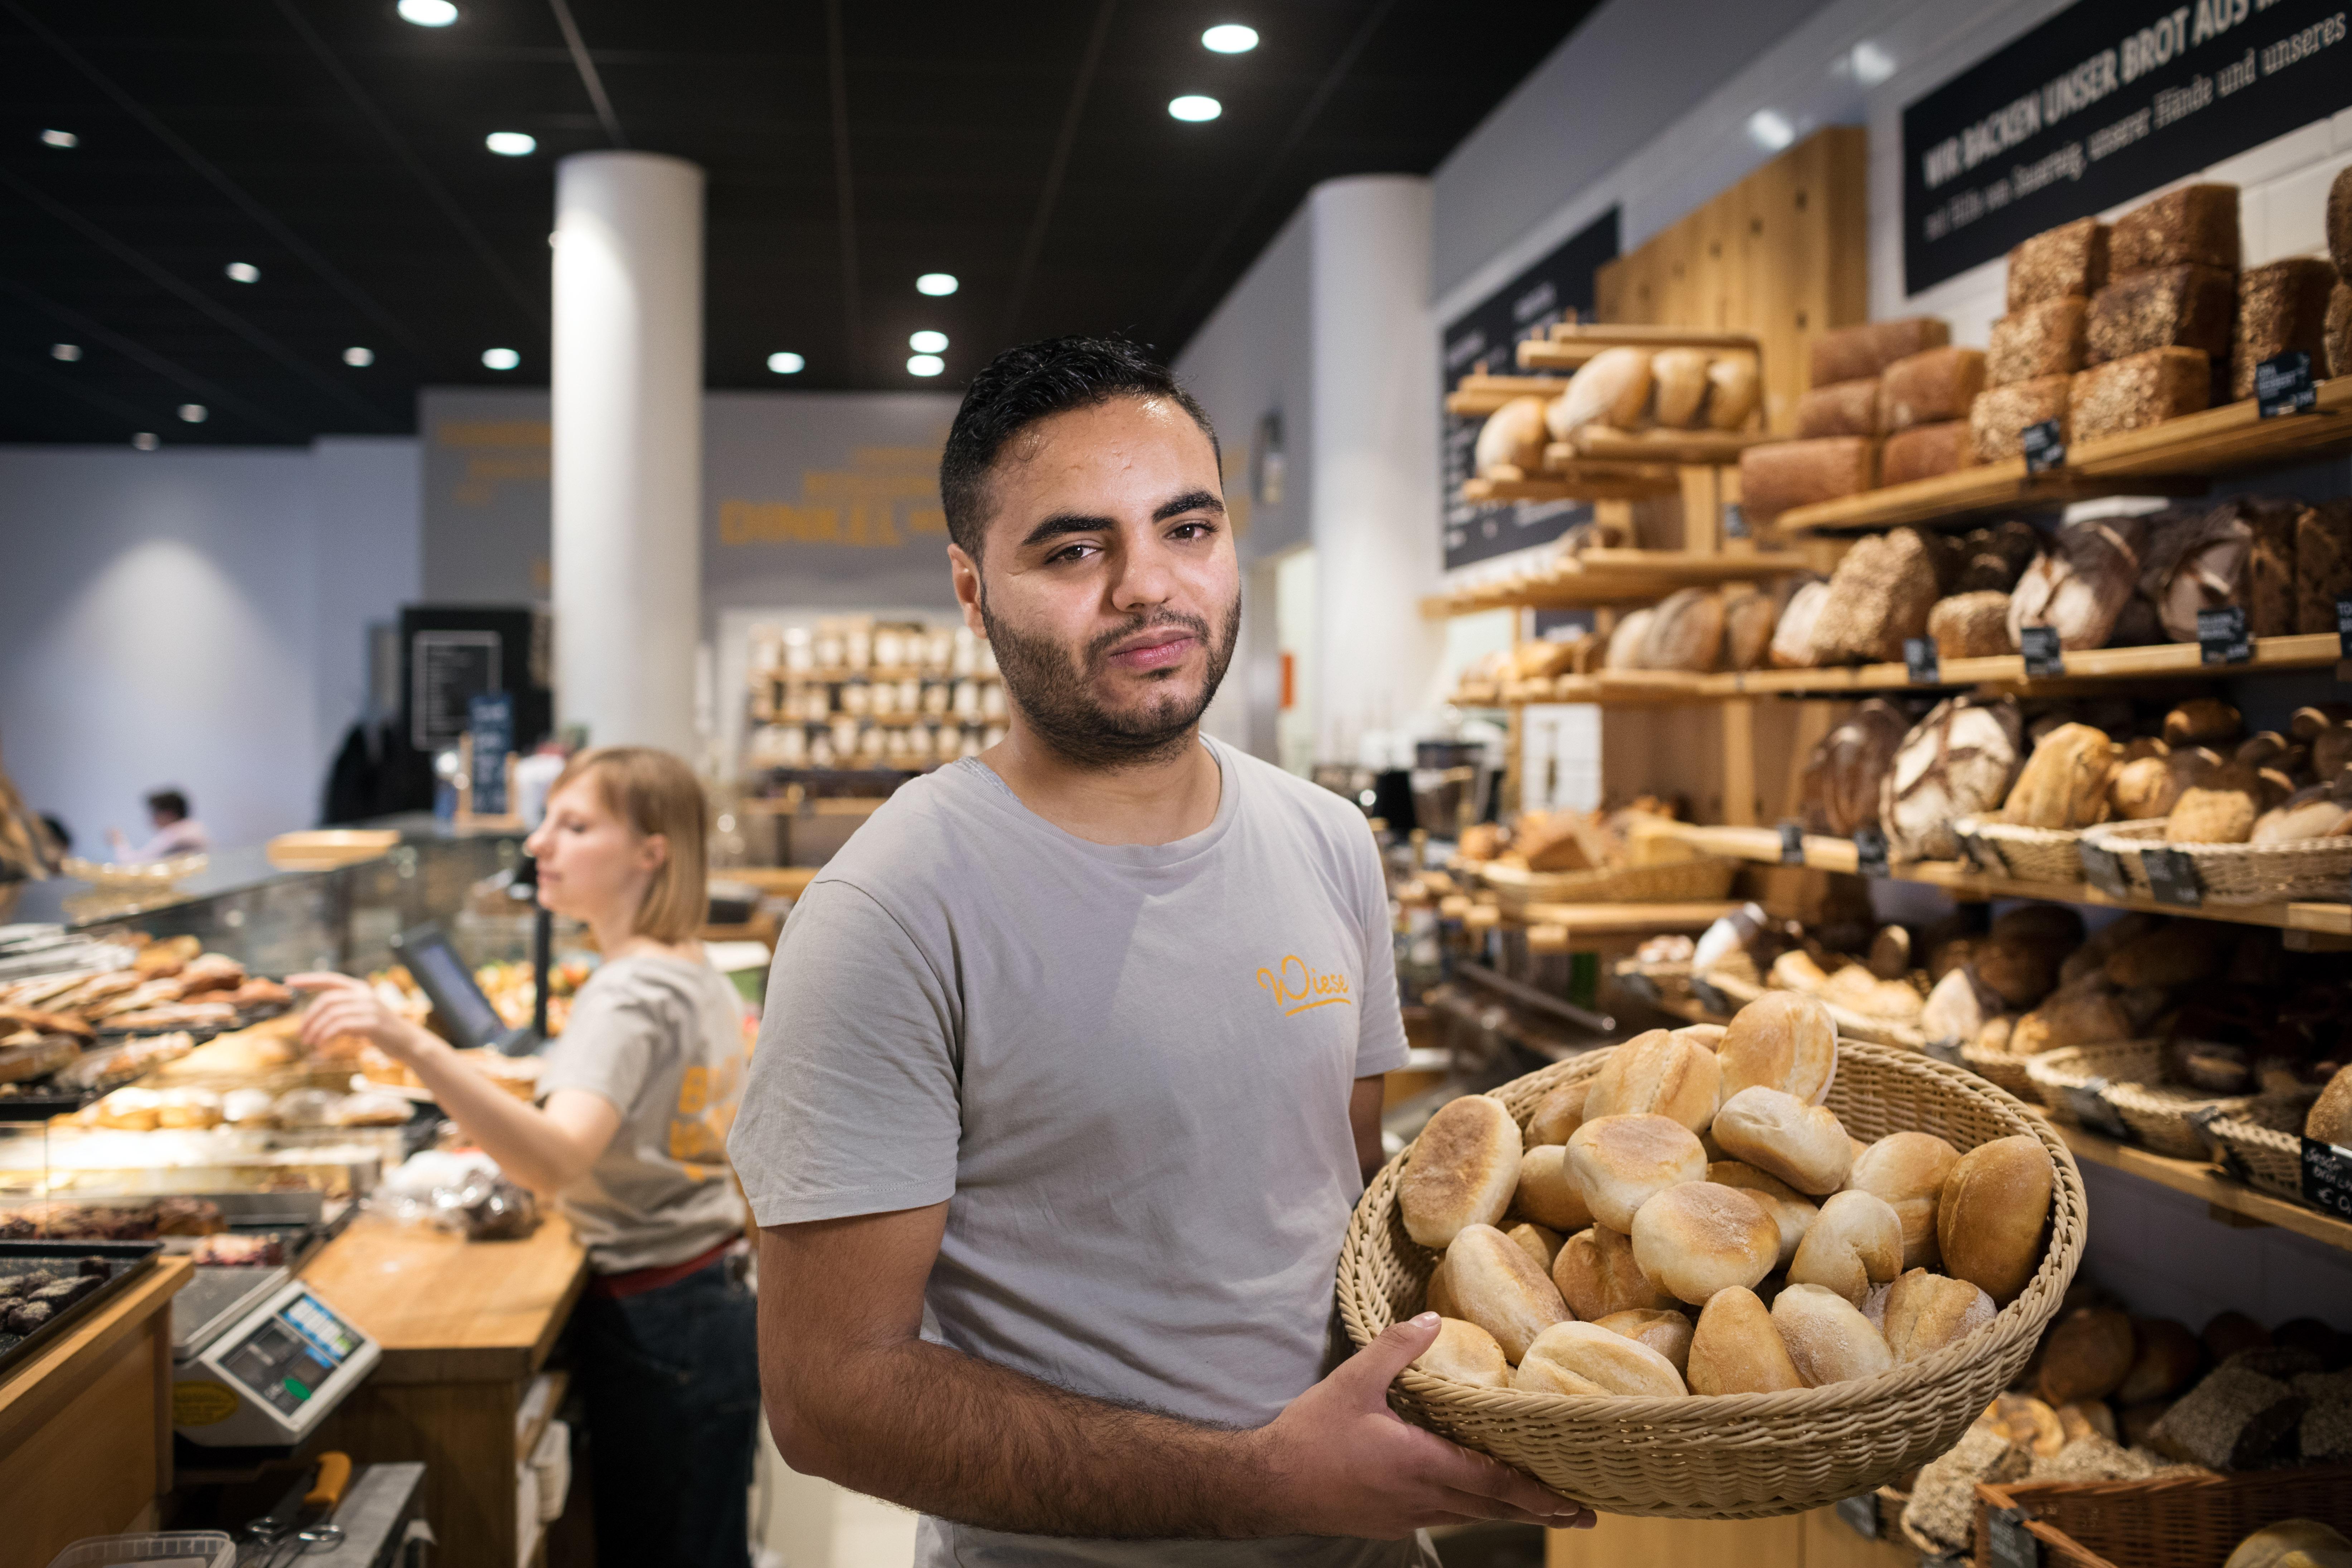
x=2187, y=307
x=2144, y=389
x=2194, y=224
x=2282, y=308
x=2069, y=260
x=1779, y=475
x=2041, y=339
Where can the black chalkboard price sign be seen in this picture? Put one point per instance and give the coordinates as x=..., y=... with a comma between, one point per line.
x=2343, y=627
x=2043, y=656
x=2327, y=1178
x=2171, y=875
x=2011, y=1544
x=2222, y=637
x=2282, y=385
x=1870, y=851
x=1919, y=658
x=2102, y=870
x=1860, y=1514
x=1792, y=844
x=2045, y=447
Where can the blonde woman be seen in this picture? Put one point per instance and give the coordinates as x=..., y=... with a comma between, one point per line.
x=630, y=1144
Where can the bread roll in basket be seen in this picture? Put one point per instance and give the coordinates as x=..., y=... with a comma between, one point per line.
x=1745, y=1456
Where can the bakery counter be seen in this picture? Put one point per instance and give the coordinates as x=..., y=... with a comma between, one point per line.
x=85, y=1426
x=464, y=1326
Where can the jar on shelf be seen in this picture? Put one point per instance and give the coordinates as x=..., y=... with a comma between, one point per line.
x=967, y=700
x=858, y=648
x=856, y=698
x=910, y=695
x=992, y=701
x=831, y=649
x=938, y=650
x=882, y=697
x=800, y=653
x=936, y=696
x=890, y=649
x=821, y=754
x=844, y=736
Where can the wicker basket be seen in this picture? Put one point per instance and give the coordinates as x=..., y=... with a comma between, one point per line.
x=2237, y=873
x=2175, y=1522
x=1702, y=878
x=2261, y=1141
x=2032, y=853
x=2000, y=1068
x=2125, y=1077
x=2056, y=1078
x=1748, y=1455
x=2164, y=1116
x=1850, y=1025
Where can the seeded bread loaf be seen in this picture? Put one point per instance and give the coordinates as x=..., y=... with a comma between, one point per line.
x=2323, y=563
x=2000, y=415
x=2281, y=307
x=1926, y=451
x=1783, y=474
x=1853, y=354
x=2270, y=571
x=1971, y=626
x=1792, y=635
x=1842, y=408
x=2339, y=327
x=2185, y=307
x=1933, y=386
x=1880, y=594
x=2194, y=224
x=2069, y=260
x=2145, y=389
x=2044, y=339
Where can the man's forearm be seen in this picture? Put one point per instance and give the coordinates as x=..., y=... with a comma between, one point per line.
x=933, y=1429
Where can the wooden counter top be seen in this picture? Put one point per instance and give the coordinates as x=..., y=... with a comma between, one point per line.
x=450, y=1310
x=34, y=1391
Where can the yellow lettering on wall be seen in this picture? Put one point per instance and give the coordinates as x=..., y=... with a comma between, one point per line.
x=926, y=520
x=493, y=432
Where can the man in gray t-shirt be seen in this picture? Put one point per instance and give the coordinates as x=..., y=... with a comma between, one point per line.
x=1074, y=1051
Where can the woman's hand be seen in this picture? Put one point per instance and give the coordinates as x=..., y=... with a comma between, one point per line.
x=348, y=1007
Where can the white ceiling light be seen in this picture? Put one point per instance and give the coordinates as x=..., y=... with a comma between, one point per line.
x=787, y=364
x=60, y=139
x=427, y=13
x=195, y=413
x=359, y=358
x=512, y=144
x=67, y=351
x=1771, y=128
x=1195, y=108
x=501, y=359
x=243, y=273
x=925, y=365
x=936, y=284
x=928, y=343
x=1872, y=64
x=145, y=441
x=1230, y=39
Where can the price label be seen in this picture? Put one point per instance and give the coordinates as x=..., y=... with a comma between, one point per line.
x=2221, y=635
x=1735, y=522
x=2328, y=1177
x=2008, y=1543
x=2171, y=875
x=1860, y=1514
x=2093, y=1110
x=1870, y=851
x=2282, y=385
x=2102, y=870
x=1792, y=844
x=2043, y=658
x=1984, y=857
x=1945, y=1051
x=2201, y=1122
x=1919, y=658
x=2045, y=447
x=1713, y=1000
x=2343, y=627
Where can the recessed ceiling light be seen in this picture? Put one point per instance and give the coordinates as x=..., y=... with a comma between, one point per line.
x=787, y=364
x=501, y=359
x=1872, y=64
x=1194, y=107
x=359, y=358
x=925, y=365
x=195, y=413
x=1771, y=130
x=1230, y=39
x=60, y=138
x=928, y=343
x=243, y=273
x=67, y=351
x=512, y=144
x=936, y=284
x=427, y=13
x=145, y=441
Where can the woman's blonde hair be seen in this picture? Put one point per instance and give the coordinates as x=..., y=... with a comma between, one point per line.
x=653, y=791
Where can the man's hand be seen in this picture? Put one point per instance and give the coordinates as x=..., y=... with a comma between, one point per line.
x=1343, y=1464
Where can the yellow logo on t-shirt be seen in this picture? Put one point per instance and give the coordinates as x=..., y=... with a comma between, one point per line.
x=1295, y=988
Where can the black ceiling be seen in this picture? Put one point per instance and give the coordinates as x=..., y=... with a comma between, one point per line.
x=1026, y=149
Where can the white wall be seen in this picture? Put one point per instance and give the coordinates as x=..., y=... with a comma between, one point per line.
x=195, y=617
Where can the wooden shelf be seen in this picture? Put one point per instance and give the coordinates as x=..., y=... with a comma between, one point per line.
x=1569, y=347
x=1626, y=920
x=1478, y=395
x=2086, y=668
x=1636, y=688
x=2199, y=1180
x=2176, y=457
x=1690, y=449
x=1575, y=482
x=1606, y=577
x=1826, y=854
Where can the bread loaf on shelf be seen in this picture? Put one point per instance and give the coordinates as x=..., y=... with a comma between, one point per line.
x=2196, y=560
x=1842, y=408
x=2282, y=308
x=1626, y=639
x=1879, y=596
x=2069, y=260
x=1792, y=635
x=1841, y=777
x=2270, y=569
x=2065, y=784
x=1935, y=385
x=1971, y=626
x=1959, y=759
x=2000, y=416
x=2081, y=581
x=2323, y=562
x=1734, y=388
x=2338, y=328
x=1927, y=452
x=1512, y=438
x=1779, y=475
x=1854, y=353
x=2195, y=224
x=1996, y=557
x=1748, y=623
x=2185, y=307
x=1679, y=380
x=1611, y=389
x=1685, y=632
x=2339, y=222
x=2145, y=389
x=2038, y=339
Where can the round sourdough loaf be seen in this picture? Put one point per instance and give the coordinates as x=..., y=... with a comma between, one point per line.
x=1465, y=1168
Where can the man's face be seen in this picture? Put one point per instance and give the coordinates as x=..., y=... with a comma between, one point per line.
x=1111, y=592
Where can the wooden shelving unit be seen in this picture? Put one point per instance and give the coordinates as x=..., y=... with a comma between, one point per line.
x=1609, y=576
x=2176, y=457
x=1478, y=394
x=1568, y=346
x=2202, y=1181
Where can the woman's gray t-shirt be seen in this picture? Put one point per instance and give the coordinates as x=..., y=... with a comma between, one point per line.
x=662, y=1039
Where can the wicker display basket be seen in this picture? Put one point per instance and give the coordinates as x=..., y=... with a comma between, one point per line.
x=2125, y=1077
x=2175, y=1522
x=2237, y=873
x=1702, y=878
x=2261, y=1141
x=2056, y=1078
x=2163, y=1116
x=2000, y=1068
x=2032, y=853
x=1748, y=1455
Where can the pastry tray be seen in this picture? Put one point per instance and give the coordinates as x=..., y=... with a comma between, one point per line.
x=130, y=1258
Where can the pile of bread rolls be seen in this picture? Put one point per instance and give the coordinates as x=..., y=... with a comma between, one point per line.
x=1622, y=389
x=1692, y=1219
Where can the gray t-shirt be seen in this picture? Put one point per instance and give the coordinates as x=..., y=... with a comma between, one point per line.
x=662, y=1039
x=1126, y=1070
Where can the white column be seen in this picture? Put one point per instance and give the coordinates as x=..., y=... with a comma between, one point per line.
x=1374, y=511
x=627, y=460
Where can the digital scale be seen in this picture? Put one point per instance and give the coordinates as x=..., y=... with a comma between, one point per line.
x=271, y=1374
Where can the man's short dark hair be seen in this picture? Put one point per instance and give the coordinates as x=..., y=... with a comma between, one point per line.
x=168, y=800
x=1034, y=382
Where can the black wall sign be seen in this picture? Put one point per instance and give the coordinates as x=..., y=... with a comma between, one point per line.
x=2106, y=101
x=1489, y=332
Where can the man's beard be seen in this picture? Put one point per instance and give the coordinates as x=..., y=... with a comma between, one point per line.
x=1055, y=690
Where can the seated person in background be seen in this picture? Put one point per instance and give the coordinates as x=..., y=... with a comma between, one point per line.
x=176, y=832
